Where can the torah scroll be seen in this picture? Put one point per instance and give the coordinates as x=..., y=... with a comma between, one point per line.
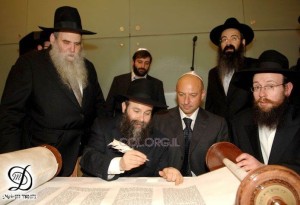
x=269, y=184
x=22, y=171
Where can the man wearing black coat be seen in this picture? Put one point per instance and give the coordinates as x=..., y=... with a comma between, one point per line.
x=269, y=132
x=52, y=96
x=145, y=150
x=141, y=62
x=223, y=98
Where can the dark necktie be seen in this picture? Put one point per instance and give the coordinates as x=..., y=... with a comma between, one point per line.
x=187, y=133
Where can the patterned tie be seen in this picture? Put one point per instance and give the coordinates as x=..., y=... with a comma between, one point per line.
x=187, y=133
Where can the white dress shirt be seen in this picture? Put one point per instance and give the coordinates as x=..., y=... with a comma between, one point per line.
x=266, y=138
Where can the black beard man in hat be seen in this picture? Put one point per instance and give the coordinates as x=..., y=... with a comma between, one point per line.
x=223, y=98
x=269, y=132
x=147, y=148
x=52, y=96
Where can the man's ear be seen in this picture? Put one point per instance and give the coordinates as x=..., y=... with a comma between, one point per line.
x=244, y=42
x=288, y=88
x=52, y=38
x=203, y=94
x=123, y=107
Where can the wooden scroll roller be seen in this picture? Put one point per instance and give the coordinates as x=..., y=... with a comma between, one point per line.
x=22, y=171
x=266, y=185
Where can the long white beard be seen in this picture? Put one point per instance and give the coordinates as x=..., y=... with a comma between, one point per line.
x=70, y=72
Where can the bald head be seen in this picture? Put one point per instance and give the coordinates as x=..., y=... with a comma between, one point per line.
x=190, y=92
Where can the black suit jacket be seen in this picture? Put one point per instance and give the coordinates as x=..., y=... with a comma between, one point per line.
x=208, y=129
x=97, y=155
x=37, y=108
x=286, y=145
x=236, y=99
x=120, y=86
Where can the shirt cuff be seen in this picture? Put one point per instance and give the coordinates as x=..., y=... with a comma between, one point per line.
x=114, y=166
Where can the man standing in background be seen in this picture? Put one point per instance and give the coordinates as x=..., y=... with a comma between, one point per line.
x=52, y=96
x=141, y=62
x=223, y=98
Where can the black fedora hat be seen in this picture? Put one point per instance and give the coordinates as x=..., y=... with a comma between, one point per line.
x=142, y=91
x=270, y=61
x=67, y=18
x=247, y=32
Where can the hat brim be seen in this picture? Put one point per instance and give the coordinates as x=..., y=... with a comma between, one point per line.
x=81, y=31
x=247, y=32
x=244, y=79
x=145, y=101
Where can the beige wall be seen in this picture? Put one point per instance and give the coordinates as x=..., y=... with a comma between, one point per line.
x=165, y=27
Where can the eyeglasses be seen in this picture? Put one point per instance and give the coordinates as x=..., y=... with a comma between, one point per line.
x=233, y=38
x=266, y=88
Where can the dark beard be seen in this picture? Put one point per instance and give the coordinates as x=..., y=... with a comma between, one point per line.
x=132, y=136
x=140, y=72
x=230, y=61
x=270, y=118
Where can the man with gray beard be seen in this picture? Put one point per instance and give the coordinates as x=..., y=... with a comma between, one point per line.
x=52, y=96
x=146, y=152
x=223, y=98
x=268, y=133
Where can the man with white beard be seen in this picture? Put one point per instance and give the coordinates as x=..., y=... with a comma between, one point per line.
x=268, y=133
x=52, y=96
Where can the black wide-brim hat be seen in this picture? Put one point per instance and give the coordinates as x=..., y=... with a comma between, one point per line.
x=270, y=61
x=67, y=18
x=245, y=30
x=142, y=91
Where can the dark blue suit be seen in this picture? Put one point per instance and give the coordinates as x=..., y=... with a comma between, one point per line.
x=208, y=129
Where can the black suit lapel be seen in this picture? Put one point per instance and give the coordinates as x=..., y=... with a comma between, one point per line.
x=176, y=126
x=252, y=131
x=199, y=127
x=283, y=138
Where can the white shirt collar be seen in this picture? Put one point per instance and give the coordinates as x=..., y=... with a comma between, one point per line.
x=134, y=77
x=192, y=117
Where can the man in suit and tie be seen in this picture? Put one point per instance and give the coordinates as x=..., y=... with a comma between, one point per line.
x=52, y=96
x=224, y=98
x=141, y=62
x=270, y=131
x=191, y=129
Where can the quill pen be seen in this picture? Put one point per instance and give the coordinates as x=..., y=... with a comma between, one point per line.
x=120, y=146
